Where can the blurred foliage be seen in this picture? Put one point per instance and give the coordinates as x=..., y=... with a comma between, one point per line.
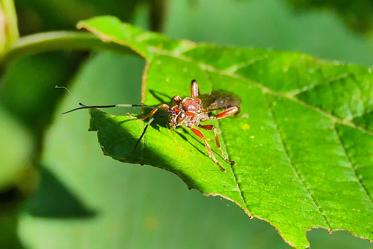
x=55, y=14
x=267, y=24
x=357, y=14
x=16, y=149
x=9, y=219
x=53, y=200
x=27, y=84
x=31, y=79
x=27, y=93
x=8, y=25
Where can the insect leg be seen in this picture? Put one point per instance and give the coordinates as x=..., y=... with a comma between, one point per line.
x=226, y=113
x=154, y=111
x=152, y=118
x=160, y=96
x=208, y=147
x=194, y=92
x=143, y=132
x=217, y=141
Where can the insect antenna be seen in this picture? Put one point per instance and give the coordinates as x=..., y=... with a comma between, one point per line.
x=83, y=106
x=65, y=88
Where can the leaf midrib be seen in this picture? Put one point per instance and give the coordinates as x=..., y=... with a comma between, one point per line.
x=361, y=183
x=222, y=140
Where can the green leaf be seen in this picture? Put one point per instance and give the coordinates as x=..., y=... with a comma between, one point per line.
x=131, y=205
x=303, y=156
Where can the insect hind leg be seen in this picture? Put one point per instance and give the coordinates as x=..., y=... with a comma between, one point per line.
x=226, y=113
x=208, y=147
x=217, y=142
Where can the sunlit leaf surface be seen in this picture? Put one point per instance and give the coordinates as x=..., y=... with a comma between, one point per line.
x=302, y=142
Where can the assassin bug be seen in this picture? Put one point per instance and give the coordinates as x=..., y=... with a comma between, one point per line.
x=190, y=112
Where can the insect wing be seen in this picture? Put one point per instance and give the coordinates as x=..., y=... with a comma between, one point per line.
x=219, y=100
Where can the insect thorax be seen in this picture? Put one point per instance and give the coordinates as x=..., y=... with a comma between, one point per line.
x=187, y=112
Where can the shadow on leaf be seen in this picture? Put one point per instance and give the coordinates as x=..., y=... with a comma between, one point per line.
x=117, y=142
x=9, y=203
x=53, y=199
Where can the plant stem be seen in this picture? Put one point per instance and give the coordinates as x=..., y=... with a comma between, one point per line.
x=58, y=40
x=9, y=28
x=156, y=14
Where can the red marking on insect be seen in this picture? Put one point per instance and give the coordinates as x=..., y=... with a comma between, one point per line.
x=190, y=112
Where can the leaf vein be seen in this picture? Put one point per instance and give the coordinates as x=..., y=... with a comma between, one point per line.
x=298, y=175
x=353, y=166
x=242, y=195
x=363, y=114
x=336, y=80
x=253, y=61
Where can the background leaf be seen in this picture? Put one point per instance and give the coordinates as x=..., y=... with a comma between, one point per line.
x=282, y=174
x=128, y=199
x=16, y=149
x=36, y=15
x=27, y=102
x=42, y=72
x=356, y=14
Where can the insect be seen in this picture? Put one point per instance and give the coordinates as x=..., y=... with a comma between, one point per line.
x=190, y=112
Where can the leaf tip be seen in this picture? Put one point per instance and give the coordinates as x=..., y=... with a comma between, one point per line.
x=97, y=19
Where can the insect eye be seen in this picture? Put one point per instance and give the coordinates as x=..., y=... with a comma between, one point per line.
x=176, y=99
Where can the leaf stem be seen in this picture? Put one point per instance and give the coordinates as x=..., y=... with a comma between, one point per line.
x=58, y=40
